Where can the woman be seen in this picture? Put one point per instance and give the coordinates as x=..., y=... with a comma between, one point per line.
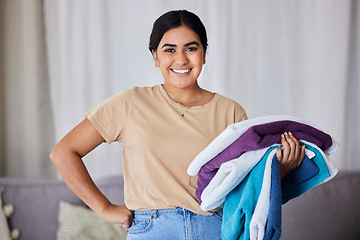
x=162, y=128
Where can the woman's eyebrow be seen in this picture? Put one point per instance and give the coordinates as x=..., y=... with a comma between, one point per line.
x=192, y=43
x=168, y=45
x=185, y=45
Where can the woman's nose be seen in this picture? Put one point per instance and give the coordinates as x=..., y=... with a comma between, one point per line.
x=181, y=58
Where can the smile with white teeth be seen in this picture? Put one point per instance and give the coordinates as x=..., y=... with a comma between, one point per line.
x=181, y=71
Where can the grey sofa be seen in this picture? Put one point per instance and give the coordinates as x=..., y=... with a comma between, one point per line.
x=330, y=211
x=36, y=203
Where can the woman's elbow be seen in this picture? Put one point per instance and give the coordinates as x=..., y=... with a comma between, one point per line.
x=59, y=153
x=54, y=155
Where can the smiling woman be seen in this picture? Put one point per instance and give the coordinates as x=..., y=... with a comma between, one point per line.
x=162, y=129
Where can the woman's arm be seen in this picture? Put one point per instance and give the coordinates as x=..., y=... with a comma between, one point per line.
x=291, y=156
x=67, y=158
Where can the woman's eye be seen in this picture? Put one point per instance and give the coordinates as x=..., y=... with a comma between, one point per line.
x=190, y=49
x=170, y=50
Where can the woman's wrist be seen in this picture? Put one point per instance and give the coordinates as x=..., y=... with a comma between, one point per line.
x=103, y=208
x=117, y=214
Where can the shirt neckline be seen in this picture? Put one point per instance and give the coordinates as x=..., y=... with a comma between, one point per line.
x=165, y=95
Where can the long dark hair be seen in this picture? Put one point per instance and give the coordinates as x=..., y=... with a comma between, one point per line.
x=174, y=19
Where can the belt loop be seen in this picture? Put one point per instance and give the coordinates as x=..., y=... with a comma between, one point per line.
x=155, y=215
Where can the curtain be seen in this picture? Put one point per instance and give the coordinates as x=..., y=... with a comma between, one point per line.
x=26, y=125
x=295, y=58
x=351, y=146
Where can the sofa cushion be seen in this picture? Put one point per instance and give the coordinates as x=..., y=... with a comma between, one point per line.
x=329, y=211
x=36, y=203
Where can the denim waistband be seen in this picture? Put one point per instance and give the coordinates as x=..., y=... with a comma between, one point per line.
x=161, y=211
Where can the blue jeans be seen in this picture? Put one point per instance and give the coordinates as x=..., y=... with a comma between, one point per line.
x=174, y=224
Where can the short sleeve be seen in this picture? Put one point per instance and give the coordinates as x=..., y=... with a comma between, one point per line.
x=110, y=117
x=240, y=113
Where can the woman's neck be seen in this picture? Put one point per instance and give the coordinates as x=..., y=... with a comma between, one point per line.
x=184, y=96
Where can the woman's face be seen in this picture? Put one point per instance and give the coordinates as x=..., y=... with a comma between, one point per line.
x=180, y=56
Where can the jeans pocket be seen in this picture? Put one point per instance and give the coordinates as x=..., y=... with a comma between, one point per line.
x=140, y=226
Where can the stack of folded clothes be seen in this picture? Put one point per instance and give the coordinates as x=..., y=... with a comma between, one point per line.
x=239, y=170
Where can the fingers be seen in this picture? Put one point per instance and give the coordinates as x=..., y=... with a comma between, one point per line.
x=291, y=146
x=295, y=146
x=125, y=224
x=118, y=214
x=292, y=154
x=286, y=145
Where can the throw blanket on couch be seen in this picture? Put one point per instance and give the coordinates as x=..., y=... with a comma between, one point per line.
x=226, y=165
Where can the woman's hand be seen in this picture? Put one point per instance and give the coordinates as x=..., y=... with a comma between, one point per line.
x=117, y=214
x=291, y=156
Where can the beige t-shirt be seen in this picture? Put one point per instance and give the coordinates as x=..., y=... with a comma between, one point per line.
x=159, y=144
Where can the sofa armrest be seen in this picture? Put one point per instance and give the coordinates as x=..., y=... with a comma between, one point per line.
x=328, y=211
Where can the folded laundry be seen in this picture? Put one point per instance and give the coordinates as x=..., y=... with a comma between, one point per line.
x=240, y=170
x=253, y=203
x=254, y=138
x=233, y=132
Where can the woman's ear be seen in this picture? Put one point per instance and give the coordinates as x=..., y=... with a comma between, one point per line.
x=204, y=61
x=155, y=58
